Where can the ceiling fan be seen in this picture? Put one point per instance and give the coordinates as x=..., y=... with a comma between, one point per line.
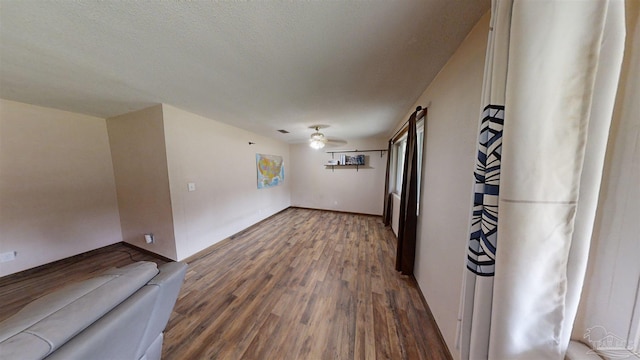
x=318, y=140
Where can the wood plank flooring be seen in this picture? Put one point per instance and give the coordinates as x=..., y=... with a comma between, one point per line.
x=303, y=284
x=19, y=289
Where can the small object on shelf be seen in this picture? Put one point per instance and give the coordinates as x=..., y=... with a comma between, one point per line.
x=351, y=160
x=333, y=152
x=345, y=160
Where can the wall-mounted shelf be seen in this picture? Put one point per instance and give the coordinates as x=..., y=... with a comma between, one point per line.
x=382, y=151
x=346, y=165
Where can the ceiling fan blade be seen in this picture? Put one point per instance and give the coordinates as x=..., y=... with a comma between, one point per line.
x=335, y=142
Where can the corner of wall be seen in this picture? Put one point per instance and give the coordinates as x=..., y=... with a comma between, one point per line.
x=217, y=159
x=138, y=153
x=57, y=193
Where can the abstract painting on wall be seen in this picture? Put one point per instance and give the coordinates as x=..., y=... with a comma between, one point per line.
x=270, y=170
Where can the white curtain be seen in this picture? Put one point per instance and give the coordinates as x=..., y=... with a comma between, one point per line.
x=477, y=292
x=553, y=67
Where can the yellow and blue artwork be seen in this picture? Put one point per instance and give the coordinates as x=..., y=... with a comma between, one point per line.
x=270, y=170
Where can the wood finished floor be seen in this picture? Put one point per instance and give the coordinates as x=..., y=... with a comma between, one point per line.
x=303, y=284
x=19, y=289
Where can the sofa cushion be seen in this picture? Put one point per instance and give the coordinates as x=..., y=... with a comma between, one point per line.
x=116, y=335
x=24, y=346
x=52, y=320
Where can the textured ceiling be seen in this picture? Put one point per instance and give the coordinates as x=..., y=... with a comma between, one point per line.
x=356, y=66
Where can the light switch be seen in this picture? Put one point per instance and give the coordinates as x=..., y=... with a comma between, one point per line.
x=191, y=186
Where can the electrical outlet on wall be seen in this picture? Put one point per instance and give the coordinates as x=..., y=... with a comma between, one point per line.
x=148, y=238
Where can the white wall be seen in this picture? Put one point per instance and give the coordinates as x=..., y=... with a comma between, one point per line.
x=343, y=188
x=57, y=189
x=219, y=160
x=447, y=178
x=142, y=181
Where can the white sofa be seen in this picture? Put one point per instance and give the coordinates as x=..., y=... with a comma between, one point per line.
x=120, y=314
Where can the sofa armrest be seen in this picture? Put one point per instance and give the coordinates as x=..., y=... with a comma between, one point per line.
x=168, y=281
x=49, y=322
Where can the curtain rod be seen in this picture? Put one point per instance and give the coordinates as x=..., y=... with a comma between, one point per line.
x=405, y=123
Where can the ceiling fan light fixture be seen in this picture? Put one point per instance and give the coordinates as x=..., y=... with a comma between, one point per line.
x=317, y=140
x=316, y=144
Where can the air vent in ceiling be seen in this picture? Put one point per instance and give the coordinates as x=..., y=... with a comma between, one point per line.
x=283, y=131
